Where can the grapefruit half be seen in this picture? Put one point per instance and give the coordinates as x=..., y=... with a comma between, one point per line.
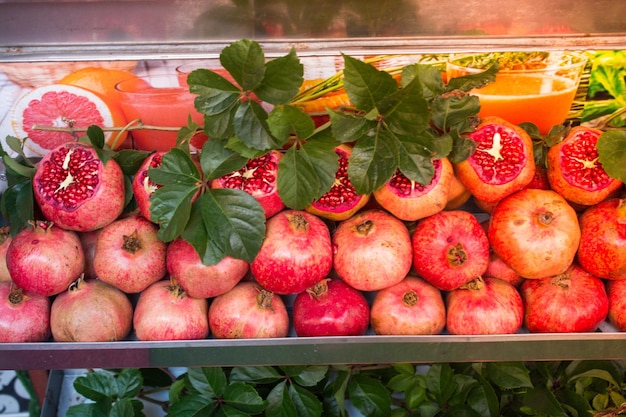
x=61, y=106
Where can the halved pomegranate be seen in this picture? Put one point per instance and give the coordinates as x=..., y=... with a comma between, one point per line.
x=258, y=178
x=502, y=163
x=409, y=200
x=341, y=201
x=574, y=170
x=76, y=190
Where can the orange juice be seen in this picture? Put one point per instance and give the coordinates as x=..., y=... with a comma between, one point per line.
x=542, y=100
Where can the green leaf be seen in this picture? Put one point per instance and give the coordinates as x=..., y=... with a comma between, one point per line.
x=440, y=382
x=471, y=81
x=130, y=160
x=19, y=169
x=170, y=207
x=543, y=401
x=509, y=375
x=193, y=405
x=129, y=382
x=373, y=161
x=406, y=112
x=611, y=147
x=415, y=396
x=282, y=80
x=220, y=126
x=596, y=373
x=369, y=396
x=280, y=403
x=97, y=385
x=17, y=146
x=208, y=382
x=349, y=127
x=245, y=61
x=89, y=410
x=18, y=205
x=177, y=168
x=251, y=127
x=126, y=408
x=255, y=374
x=365, y=85
x=285, y=121
x=335, y=391
x=483, y=399
x=306, y=376
x=428, y=76
x=216, y=160
x=307, y=404
x=243, y=397
x=453, y=111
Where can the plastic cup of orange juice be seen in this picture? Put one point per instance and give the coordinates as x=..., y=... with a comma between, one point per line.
x=536, y=87
x=162, y=105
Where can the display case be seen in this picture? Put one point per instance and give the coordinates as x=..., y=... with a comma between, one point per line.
x=151, y=33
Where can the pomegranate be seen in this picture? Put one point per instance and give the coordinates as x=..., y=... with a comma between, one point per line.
x=411, y=307
x=200, y=280
x=76, y=190
x=574, y=301
x=295, y=254
x=616, y=293
x=24, y=316
x=408, y=200
x=143, y=187
x=5, y=241
x=341, y=201
x=457, y=195
x=372, y=250
x=502, y=163
x=44, y=259
x=129, y=255
x=330, y=308
x=91, y=311
x=258, y=178
x=497, y=268
x=165, y=312
x=485, y=305
x=602, y=249
x=248, y=311
x=535, y=232
x=450, y=248
x=574, y=170
x=88, y=241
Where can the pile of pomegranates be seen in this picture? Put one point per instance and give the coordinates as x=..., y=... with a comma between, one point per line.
x=514, y=255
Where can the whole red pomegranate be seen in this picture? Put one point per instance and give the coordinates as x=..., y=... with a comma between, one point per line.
x=129, y=254
x=44, y=259
x=574, y=170
x=616, y=293
x=5, y=241
x=408, y=200
x=484, y=305
x=91, y=311
x=574, y=301
x=257, y=178
x=602, y=249
x=248, y=311
x=372, y=250
x=502, y=162
x=24, y=316
x=88, y=241
x=341, y=201
x=295, y=254
x=497, y=268
x=450, y=248
x=411, y=307
x=143, y=187
x=535, y=232
x=330, y=308
x=165, y=312
x=457, y=195
x=76, y=190
x=200, y=280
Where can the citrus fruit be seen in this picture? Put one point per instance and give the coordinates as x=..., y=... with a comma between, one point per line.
x=61, y=106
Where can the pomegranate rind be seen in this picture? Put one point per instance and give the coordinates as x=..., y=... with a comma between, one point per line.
x=24, y=322
x=432, y=199
x=482, y=183
x=143, y=188
x=59, y=105
x=581, y=140
x=101, y=208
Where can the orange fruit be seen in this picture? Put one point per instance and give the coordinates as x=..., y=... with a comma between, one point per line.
x=101, y=81
x=61, y=106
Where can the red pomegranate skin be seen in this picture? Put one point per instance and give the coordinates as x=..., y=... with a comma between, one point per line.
x=129, y=254
x=85, y=193
x=5, y=241
x=574, y=301
x=331, y=308
x=497, y=268
x=295, y=254
x=143, y=187
x=411, y=307
x=91, y=311
x=484, y=306
x=248, y=311
x=199, y=280
x=372, y=250
x=88, y=240
x=450, y=249
x=602, y=249
x=45, y=259
x=24, y=316
x=539, y=224
x=616, y=292
x=165, y=312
